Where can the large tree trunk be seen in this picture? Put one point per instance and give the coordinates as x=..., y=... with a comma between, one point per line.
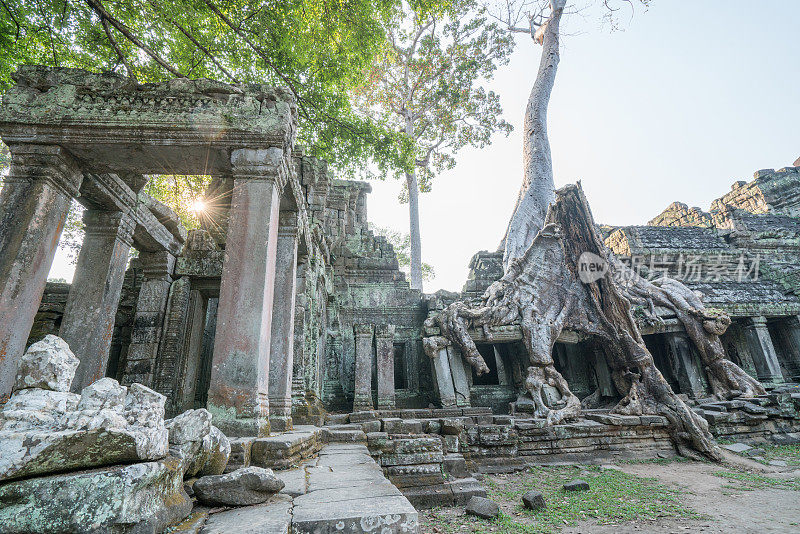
x=414, y=234
x=543, y=292
x=413, y=217
x=536, y=191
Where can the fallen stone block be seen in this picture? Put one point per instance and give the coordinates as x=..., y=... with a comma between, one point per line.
x=576, y=485
x=243, y=487
x=482, y=507
x=737, y=447
x=143, y=497
x=47, y=364
x=101, y=429
x=466, y=488
x=219, y=452
x=534, y=500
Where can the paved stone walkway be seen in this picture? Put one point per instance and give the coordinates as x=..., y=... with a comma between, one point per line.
x=343, y=490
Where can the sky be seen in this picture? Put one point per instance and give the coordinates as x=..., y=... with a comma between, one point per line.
x=690, y=97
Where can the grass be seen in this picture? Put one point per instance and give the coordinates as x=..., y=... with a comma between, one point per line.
x=744, y=481
x=789, y=453
x=613, y=497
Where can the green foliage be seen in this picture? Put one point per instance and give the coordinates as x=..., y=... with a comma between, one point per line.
x=402, y=249
x=427, y=83
x=180, y=192
x=320, y=49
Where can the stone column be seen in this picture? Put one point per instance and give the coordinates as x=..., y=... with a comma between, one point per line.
x=362, y=393
x=384, y=347
x=238, y=391
x=281, y=364
x=91, y=307
x=459, y=372
x=148, y=323
x=789, y=329
x=762, y=350
x=444, y=379
x=686, y=365
x=602, y=372
x=34, y=203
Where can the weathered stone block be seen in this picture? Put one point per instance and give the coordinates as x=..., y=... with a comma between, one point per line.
x=482, y=507
x=534, y=500
x=576, y=485
x=243, y=487
x=141, y=497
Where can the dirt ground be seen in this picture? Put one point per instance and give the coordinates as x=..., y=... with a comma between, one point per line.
x=748, y=500
x=752, y=511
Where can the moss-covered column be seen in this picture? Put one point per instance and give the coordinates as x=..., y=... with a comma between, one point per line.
x=91, y=307
x=384, y=347
x=458, y=372
x=34, y=203
x=362, y=394
x=281, y=364
x=148, y=323
x=238, y=392
x=444, y=378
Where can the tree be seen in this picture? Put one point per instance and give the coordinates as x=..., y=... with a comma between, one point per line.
x=402, y=249
x=319, y=49
x=550, y=236
x=427, y=85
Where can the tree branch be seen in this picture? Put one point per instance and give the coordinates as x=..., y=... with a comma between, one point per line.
x=213, y=59
x=117, y=49
x=98, y=8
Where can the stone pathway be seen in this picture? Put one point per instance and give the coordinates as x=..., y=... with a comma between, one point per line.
x=342, y=490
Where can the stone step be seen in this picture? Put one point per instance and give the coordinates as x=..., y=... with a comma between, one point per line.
x=345, y=436
x=348, y=492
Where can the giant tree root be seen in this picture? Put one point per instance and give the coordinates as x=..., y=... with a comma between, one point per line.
x=542, y=291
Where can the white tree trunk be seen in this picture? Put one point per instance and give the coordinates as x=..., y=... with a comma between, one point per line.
x=537, y=190
x=413, y=217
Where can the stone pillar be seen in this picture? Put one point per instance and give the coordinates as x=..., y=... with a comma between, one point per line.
x=238, y=391
x=34, y=203
x=458, y=371
x=148, y=323
x=362, y=393
x=789, y=329
x=686, y=365
x=91, y=307
x=384, y=347
x=602, y=372
x=281, y=364
x=762, y=350
x=444, y=379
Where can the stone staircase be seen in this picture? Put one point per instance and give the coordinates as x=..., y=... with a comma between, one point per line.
x=343, y=490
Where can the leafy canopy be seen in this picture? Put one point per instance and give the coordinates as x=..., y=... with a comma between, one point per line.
x=320, y=49
x=428, y=82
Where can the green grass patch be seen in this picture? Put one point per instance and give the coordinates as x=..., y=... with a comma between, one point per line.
x=613, y=497
x=789, y=453
x=744, y=481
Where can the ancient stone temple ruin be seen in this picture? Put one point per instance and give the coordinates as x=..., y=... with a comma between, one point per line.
x=283, y=336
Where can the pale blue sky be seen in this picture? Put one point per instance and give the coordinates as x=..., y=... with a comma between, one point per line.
x=691, y=97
